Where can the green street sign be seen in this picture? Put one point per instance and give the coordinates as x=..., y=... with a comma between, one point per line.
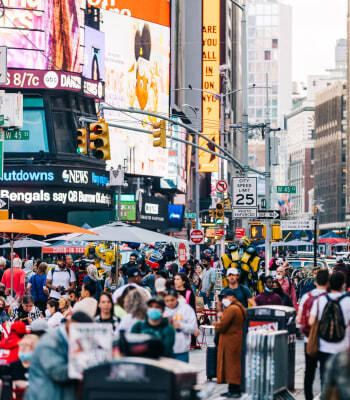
x=16, y=134
x=2, y=119
x=286, y=189
x=190, y=215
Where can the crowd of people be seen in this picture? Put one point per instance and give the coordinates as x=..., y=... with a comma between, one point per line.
x=41, y=301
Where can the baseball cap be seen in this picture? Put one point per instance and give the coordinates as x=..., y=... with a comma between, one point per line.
x=232, y=271
x=19, y=327
x=39, y=326
x=158, y=300
x=159, y=285
x=132, y=272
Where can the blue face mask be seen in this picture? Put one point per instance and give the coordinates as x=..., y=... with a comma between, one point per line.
x=25, y=356
x=268, y=290
x=154, y=314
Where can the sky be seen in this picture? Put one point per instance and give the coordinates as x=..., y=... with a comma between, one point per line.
x=317, y=24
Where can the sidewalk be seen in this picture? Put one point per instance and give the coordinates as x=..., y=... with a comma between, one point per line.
x=198, y=360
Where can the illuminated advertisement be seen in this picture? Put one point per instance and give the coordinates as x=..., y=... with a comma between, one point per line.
x=43, y=34
x=137, y=76
x=211, y=82
x=94, y=54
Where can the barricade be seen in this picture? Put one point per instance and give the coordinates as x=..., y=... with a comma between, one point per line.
x=266, y=362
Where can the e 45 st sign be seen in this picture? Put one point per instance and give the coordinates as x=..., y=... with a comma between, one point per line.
x=244, y=193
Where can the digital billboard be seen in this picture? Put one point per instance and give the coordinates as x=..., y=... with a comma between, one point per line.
x=94, y=54
x=137, y=75
x=43, y=34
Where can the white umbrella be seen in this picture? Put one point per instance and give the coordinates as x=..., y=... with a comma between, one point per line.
x=121, y=232
x=25, y=243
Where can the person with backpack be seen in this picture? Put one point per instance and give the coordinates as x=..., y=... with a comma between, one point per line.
x=303, y=317
x=183, y=287
x=36, y=287
x=60, y=280
x=340, y=266
x=286, y=284
x=332, y=312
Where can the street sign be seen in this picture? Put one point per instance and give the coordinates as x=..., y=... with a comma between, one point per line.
x=4, y=208
x=196, y=236
x=244, y=193
x=220, y=232
x=190, y=215
x=269, y=214
x=245, y=212
x=221, y=186
x=16, y=134
x=240, y=233
x=182, y=253
x=3, y=65
x=286, y=189
x=2, y=119
x=297, y=224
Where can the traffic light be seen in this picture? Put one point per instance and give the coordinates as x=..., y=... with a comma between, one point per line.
x=159, y=134
x=211, y=213
x=219, y=210
x=193, y=223
x=228, y=206
x=276, y=232
x=257, y=231
x=82, y=141
x=99, y=140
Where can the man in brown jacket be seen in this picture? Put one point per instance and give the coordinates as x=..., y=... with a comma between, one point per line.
x=230, y=329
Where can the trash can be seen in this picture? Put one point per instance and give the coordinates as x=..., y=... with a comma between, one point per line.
x=273, y=318
x=135, y=378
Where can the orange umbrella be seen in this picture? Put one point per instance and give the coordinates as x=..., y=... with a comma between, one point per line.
x=34, y=227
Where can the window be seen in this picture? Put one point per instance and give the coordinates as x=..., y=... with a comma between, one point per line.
x=267, y=55
x=33, y=121
x=275, y=43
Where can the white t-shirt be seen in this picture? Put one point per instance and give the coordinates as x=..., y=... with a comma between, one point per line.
x=327, y=347
x=60, y=277
x=55, y=320
x=313, y=293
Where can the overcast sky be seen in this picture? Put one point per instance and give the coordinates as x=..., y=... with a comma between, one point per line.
x=317, y=24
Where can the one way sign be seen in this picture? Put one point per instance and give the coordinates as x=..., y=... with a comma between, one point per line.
x=4, y=208
x=269, y=214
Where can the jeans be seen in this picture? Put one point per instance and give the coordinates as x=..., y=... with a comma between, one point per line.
x=310, y=370
x=207, y=300
x=323, y=357
x=182, y=357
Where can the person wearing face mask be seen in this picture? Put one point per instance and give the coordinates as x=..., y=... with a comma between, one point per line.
x=18, y=370
x=268, y=297
x=229, y=351
x=286, y=300
x=286, y=284
x=155, y=325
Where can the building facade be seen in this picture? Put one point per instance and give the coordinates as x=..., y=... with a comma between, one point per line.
x=330, y=155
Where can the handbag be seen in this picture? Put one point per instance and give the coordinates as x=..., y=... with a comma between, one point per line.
x=312, y=345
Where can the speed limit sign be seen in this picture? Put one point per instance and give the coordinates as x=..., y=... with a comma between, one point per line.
x=244, y=193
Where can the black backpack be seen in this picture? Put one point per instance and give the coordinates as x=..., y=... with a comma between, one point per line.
x=332, y=325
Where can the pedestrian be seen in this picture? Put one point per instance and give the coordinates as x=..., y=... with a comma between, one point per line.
x=134, y=279
x=160, y=286
x=119, y=307
x=18, y=370
x=182, y=317
x=2, y=266
x=105, y=310
x=197, y=278
x=88, y=303
x=26, y=311
x=18, y=278
x=65, y=307
x=70, y=263
x=9, y=344
x=230, y=329
x=28, y=270
x=136, y=308
x=340, y=266
x=310, y=285
x=303, y=317
x=92, y=275
x=157, y=326
x=277, y=288
x=81, y=273
x=113, y=282
x=208, y=281
x=37, y=288
x=183, y=287
x=73, y=298
x=3, y=313
x=336, y=384
x=53, y=314
x=48, y=372
x=268, y=297
x=39, y=327
x=333, y=313
x=130, y=264
x=60, y=280
x=286, y=284
x=242, y=292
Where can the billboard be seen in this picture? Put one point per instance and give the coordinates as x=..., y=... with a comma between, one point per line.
x=137, y=76
x=211, y=82
x=94, y=54
x=43, y=34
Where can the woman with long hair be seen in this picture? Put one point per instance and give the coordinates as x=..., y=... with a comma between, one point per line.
x=112, y=282
x=136, y=307
x=92, y=274
x=105, y=310
x=36, y=287
x=65, y=307
x=183, y=286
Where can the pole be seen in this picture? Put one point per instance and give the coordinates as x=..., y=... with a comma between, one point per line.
x=222, y=164
x=196, y=178
x=11, y=255
x=315, y=237
x=119, y=203
x=267, y=179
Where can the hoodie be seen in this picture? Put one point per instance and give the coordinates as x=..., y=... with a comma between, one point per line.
x=185, y=315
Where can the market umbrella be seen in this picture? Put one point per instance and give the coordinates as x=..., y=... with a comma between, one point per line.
x=10, y=227
x=121, y=232
x=24, y=243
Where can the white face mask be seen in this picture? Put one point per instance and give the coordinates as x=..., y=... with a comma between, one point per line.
x=279, y=277
x=47, y=313
x=226, y=302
